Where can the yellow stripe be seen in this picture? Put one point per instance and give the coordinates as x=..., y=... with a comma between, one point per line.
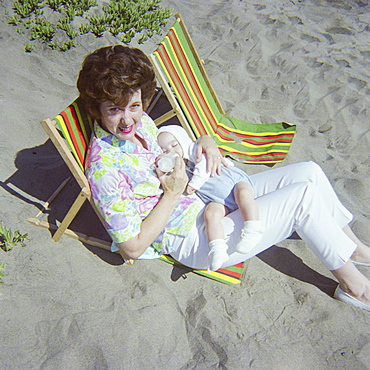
x=67, y=137
x=220, y=276
x=185, y=107
x=234, y=150
x=285, y=132
x=81, y=121
x=214, y=274
x=197, y=80
x=247, y=145
x=184, y=79
x=191, y=122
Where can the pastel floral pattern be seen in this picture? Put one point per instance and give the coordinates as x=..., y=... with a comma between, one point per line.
x=125, y=186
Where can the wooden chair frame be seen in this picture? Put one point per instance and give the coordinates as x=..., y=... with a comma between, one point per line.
x=83, y=195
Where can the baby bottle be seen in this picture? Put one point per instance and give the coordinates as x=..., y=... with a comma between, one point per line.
x=167, y=162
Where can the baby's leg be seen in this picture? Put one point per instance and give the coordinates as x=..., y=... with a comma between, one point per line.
x=244, y=198
x=251, y=233
x=213, y=215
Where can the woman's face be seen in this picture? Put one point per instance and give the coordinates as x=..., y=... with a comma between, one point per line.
x=122, y=121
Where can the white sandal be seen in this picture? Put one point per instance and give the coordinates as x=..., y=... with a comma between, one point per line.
x=360, y=263
x=345, y=297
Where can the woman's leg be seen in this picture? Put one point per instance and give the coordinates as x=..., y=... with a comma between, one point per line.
x=278, y=178
x=332, y=245
x=310, y=171
x=281, y=213
x=296, y=207
x=362, y=252
x=291, y=199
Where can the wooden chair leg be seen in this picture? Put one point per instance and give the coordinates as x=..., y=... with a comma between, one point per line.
x=54, y=195
x=78, y=236
x=84, y=193
x=72, y=234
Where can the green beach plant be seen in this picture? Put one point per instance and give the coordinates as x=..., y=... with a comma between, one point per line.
x=122, y=18
x=42, y=29
x=2, y=266
x=28, y=47
x=8, y=239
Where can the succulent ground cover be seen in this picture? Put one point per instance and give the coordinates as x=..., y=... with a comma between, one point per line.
x=9, y=239
x=58, y=23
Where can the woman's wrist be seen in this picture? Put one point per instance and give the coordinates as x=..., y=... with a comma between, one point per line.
x=171, y=196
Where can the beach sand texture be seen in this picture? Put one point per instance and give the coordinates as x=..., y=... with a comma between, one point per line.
x=67, y=306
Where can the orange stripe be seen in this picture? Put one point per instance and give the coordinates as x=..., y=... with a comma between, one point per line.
x=180, y=87
x=189, y=73
x=72, y=135
x=80, y=133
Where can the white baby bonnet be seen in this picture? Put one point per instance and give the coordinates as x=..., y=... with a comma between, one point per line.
x=180, y=135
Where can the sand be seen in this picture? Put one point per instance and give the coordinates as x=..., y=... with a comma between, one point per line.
x=67, y=306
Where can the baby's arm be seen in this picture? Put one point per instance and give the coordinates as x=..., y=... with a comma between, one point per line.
x=200, y=176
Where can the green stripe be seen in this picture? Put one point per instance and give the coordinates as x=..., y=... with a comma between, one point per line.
x=189, y=84
x=230, y=281
x=62, y=127
x=197, y=70
x=74, y=131
x=85, y=121
x=227, y=280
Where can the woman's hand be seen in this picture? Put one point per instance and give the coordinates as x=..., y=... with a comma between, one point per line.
x=175, y=182
x=173, y=185
x=205, y=144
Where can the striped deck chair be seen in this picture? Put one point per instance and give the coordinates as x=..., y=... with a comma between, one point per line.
x=229, y=275
x=194, y=102
x=70, y=132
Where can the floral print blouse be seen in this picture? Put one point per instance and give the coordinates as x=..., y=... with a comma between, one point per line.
x=125, y=186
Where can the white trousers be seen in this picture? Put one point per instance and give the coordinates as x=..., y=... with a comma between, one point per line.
x=298, y=197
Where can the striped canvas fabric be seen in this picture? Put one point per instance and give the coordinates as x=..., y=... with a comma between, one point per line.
x=76, y=127
x=244, y=141
x=229, y=275
x=254, y=142
x=190, y=87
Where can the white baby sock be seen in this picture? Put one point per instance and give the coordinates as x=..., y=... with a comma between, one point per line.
x=250, y=236
x=217, y=255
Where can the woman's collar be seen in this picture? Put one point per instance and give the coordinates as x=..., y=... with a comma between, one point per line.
x=115, y=141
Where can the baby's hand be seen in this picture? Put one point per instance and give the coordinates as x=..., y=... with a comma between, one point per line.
x=190, y=190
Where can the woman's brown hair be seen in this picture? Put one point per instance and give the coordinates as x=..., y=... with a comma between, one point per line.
x=114, y=73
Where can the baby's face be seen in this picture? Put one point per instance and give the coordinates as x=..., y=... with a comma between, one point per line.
x=169, y=144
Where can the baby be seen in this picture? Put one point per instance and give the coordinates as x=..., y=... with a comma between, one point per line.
x=222, y=194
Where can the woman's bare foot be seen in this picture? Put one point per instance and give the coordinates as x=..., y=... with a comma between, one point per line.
x=353, y=282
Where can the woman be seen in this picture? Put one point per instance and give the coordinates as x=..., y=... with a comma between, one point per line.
x=145, y=211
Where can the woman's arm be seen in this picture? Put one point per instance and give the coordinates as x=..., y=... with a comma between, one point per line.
x=205, y=144
x=173, y=186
